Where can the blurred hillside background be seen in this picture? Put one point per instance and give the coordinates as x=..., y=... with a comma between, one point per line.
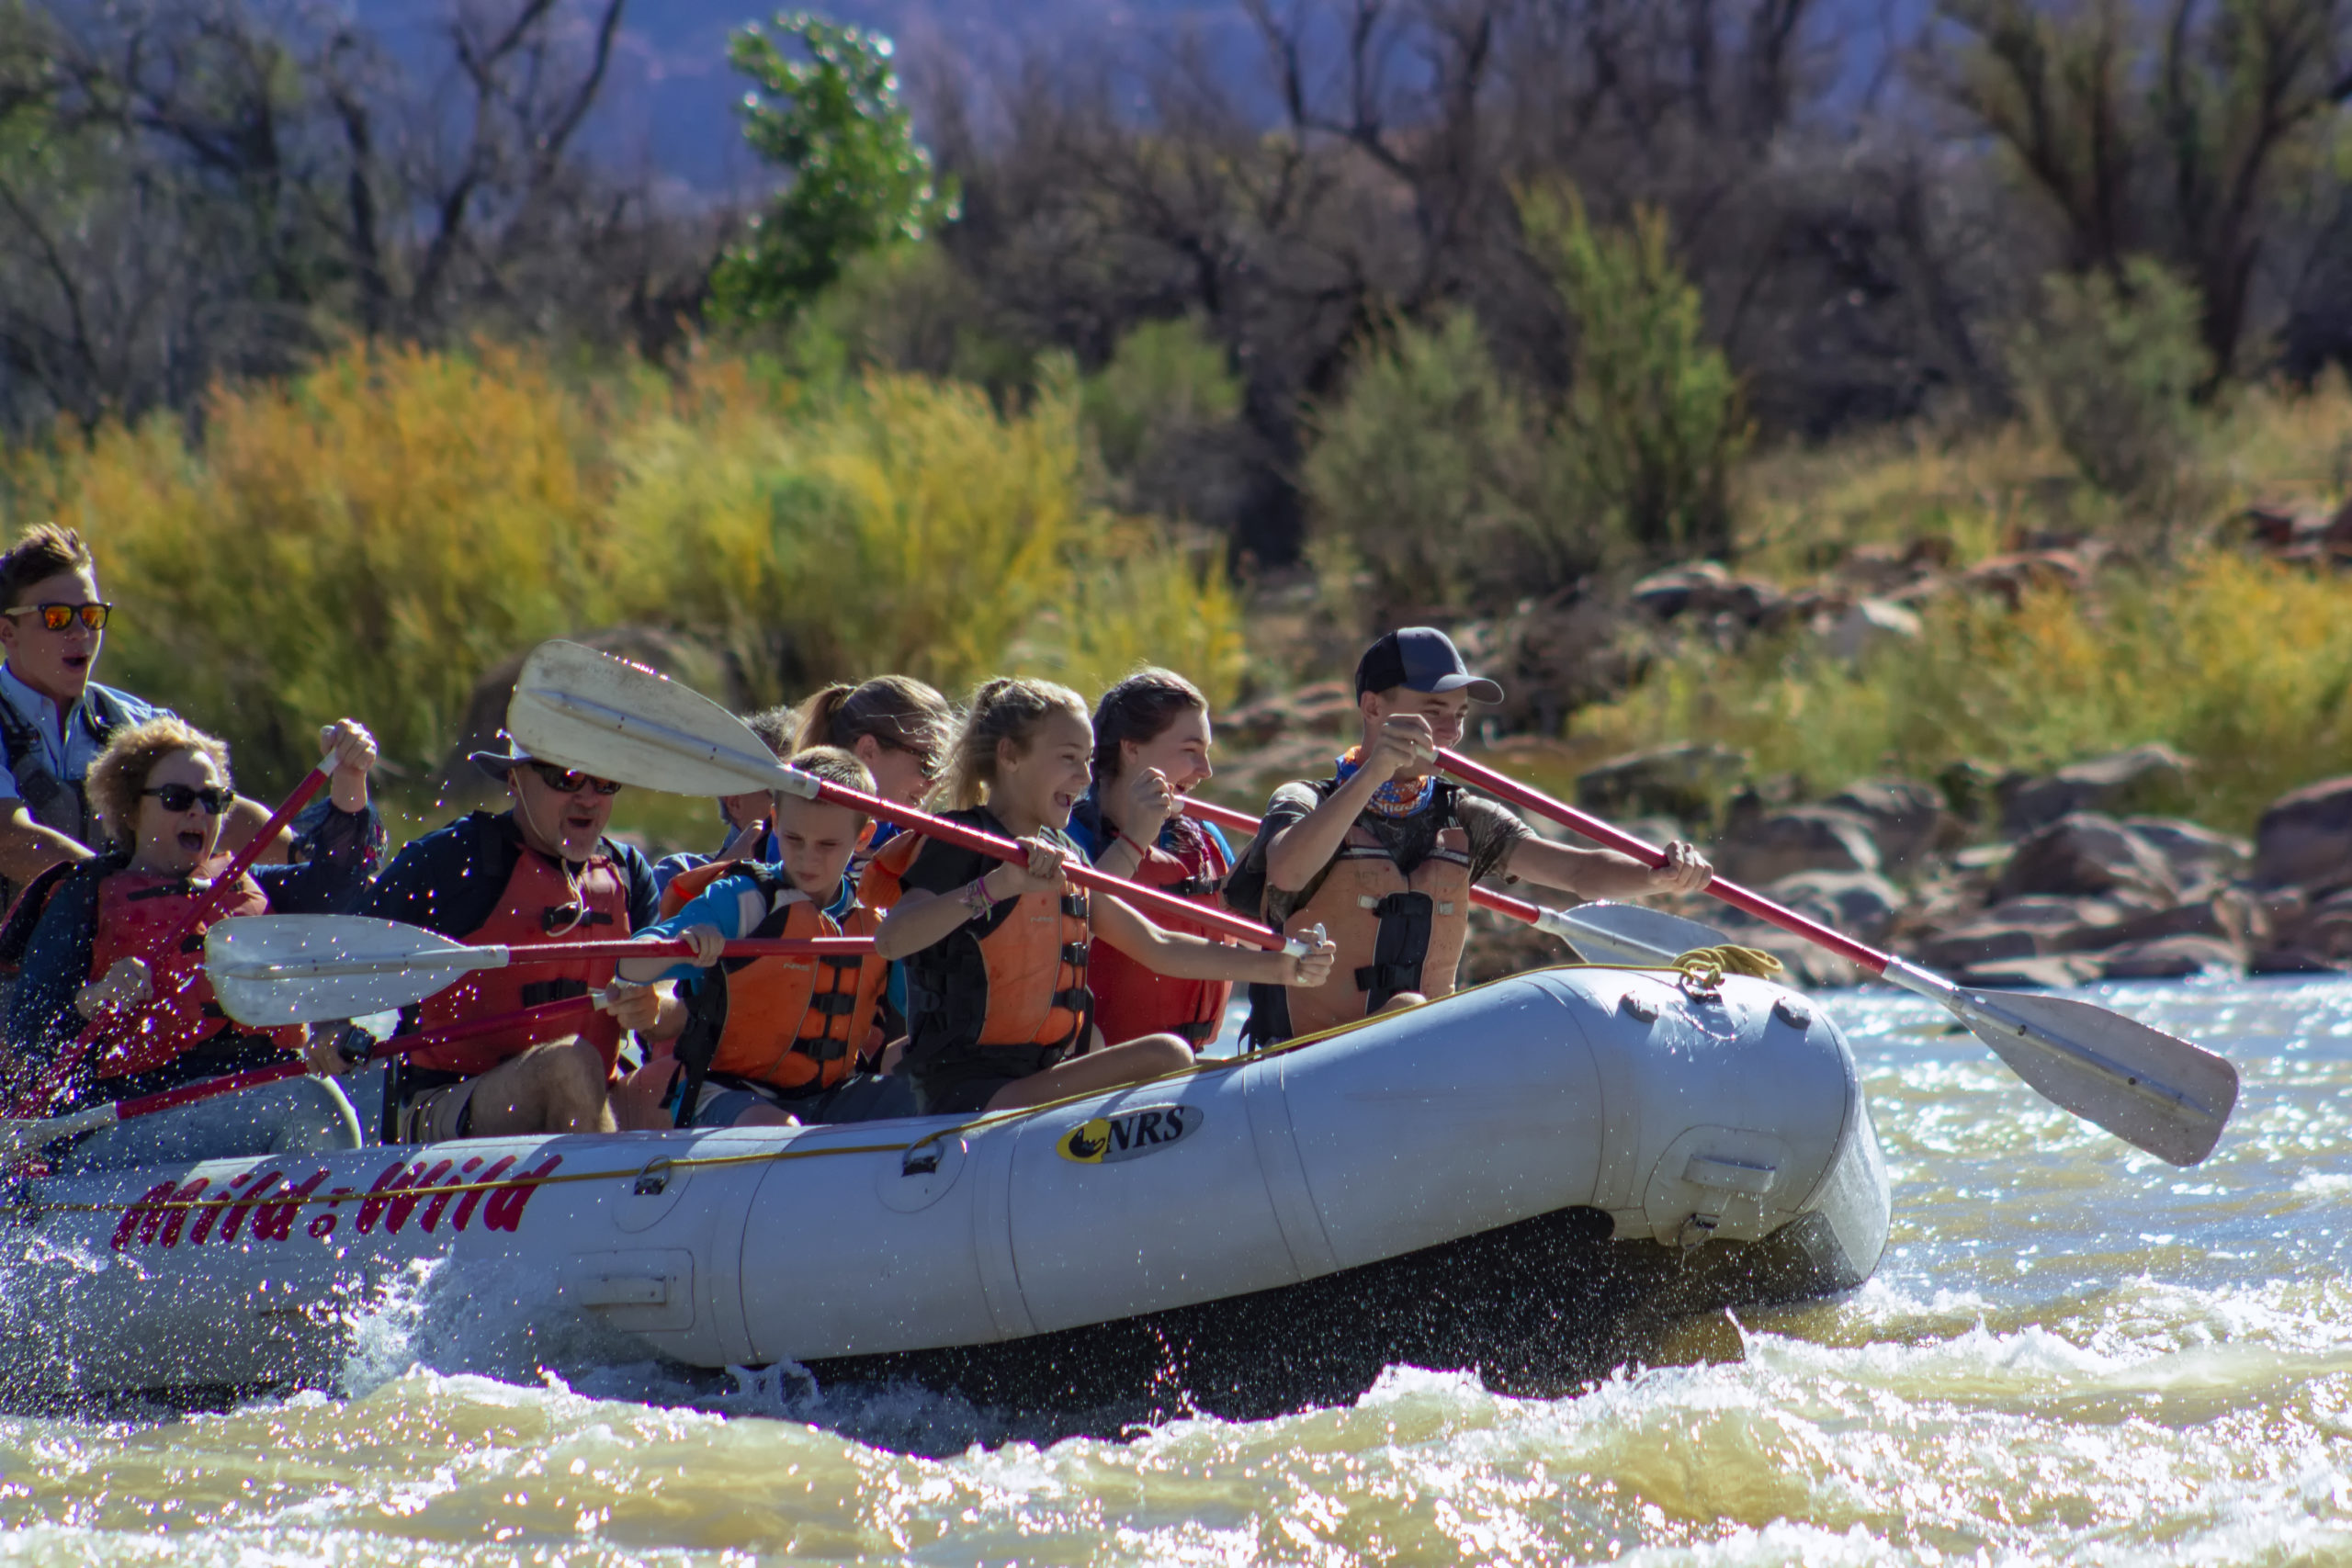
x=1853, y=386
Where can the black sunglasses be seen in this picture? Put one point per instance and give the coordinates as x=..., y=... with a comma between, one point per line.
x=572, y=781
x=58, y=617
x=179, y=798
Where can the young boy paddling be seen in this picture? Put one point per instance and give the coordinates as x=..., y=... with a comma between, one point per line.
x=999, y=1013
x=769, y=1042
x=1384, y=853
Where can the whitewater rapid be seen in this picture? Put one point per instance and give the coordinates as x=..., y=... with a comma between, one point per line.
x=2071, y=1353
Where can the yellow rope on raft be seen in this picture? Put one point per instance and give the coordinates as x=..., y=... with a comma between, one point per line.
x=1702, y=970
x=1708, y=965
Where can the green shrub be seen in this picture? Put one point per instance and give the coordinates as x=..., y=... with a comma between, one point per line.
x=1425, y=468
x=1653, y=421
x=903, y=308
x=2111, y=370
x=1166, y=381
x=912, y=526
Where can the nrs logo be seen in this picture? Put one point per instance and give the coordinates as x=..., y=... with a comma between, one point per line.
x=1107, y=1140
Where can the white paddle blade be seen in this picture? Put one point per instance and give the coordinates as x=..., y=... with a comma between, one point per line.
x=1629, y=933
x=603, y=715
x=2153, y=1091
x=275, y=969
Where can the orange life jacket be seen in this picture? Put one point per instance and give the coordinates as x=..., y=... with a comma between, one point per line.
x=1131, y=1001
x=1395, y=931
x=1017, y=978
x=540, y=905
x=136, y=909
x=797, y=1023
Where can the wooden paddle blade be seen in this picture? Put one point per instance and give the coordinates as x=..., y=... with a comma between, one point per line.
x=2153, y=1091
x=267, y=970
x=1628, y=933
x=603, y=715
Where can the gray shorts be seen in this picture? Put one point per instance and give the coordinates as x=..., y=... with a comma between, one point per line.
x=861, y=1096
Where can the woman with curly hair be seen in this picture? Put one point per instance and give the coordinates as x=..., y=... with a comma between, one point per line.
x=160, y=788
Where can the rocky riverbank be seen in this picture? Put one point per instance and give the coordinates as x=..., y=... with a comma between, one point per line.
x=1997, y=879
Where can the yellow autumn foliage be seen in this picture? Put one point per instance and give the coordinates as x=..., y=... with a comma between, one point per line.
x=372, y=537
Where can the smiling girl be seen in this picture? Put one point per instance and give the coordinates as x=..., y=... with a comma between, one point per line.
x=1151, y=749
x=160, y=788
x=999, y=1012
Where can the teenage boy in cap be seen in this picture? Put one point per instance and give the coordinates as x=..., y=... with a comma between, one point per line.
x=541, y=871
x=1382, y=855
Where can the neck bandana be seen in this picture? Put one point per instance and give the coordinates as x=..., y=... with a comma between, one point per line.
x=1389, y=799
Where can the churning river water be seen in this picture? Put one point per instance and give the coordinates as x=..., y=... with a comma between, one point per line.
x=2071, y=1353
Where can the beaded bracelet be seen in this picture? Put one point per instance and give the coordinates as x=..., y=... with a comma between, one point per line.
x=976, y=898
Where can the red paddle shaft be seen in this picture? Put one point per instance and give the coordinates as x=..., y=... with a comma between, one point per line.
x=1500, y=903
x=105, y=1025
x=1506, y=788
x=543, y=1022
x=741, y=947
x=1150, y=899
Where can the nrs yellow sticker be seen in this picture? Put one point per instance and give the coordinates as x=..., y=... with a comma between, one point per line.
x=1131, y=1134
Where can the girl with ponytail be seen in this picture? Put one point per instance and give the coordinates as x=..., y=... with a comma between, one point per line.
x=999, y=1010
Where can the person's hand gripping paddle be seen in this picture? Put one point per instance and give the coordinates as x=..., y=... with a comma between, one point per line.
x=2152, y=1089
x=1617, y=933
x=579, y=708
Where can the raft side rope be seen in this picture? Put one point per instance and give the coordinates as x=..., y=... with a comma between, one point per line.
x=1700, y=971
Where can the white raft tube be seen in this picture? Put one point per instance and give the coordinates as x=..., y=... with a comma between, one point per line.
x=1687, y=1116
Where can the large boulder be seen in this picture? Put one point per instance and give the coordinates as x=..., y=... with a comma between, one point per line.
x=2121, y=781
x=1860, y=903
x=1867, y=626
x=2304, y=840
x=1758, y=848
x=2171, y=958
x=2227, y=915
x=2201, y=857
x=2086, y=854
x=1706, y=591
x=1906, y=818
x=1682, y=782
x=2029, y=926
x=1320, y=707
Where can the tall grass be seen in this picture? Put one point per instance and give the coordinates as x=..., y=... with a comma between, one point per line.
x=373, y=536
x=2241, y=663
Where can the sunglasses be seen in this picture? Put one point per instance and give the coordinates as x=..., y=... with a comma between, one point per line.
x=58, y=617
x=926, y=758
x=179, y=798
x=572, y=781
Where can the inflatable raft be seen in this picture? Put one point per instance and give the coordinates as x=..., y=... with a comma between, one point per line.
x=1477, y=1182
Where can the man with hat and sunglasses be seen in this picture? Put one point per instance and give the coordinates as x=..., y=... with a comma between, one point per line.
x=54, y=719
x=541, y=871
x=1383, y=854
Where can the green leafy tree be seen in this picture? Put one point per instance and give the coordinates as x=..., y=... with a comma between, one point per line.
x=860, y=181
x=1654, y=414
